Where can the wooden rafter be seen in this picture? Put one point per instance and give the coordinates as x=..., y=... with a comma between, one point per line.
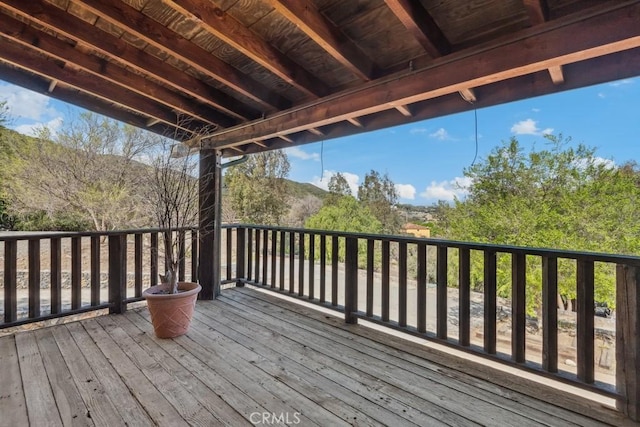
x=232, y=32
x=152, y=32
x=421, y=25
x=506, y=60
x=17, y=55
x=557, y=76
x=306, y=17
x=56, y=48
x=120, y=51
x=537, y=10
x=405, y=110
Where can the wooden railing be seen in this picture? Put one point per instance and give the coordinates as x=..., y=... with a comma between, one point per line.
x=388, y=280
x=474, y=297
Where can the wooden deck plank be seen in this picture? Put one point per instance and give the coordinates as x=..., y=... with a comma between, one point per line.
x=451, y=367
x=292, y=364
x=13, y=406
x=224, y=412
x=118, y=392
x=159, y=409
x=176, y=393
x=73, y=411
x=41, y=405
x=93, y=393
x=265, y=390
x=233, y=396
x=479, y=407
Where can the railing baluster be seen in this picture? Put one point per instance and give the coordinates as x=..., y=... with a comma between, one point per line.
x=137, y=265
x=95, y=270
x=442, y=292
x=153, y=270
x=301, y=264
x=386, y=259
x=550, y=313
x=292, y=261
x=370, y=266
x=323, y=268
x=283, y=237
x=464, y=292
x=402, y=284
x=182, y=255
x=56, y=275
x=249, y=255
x=76, y=273
x=274, y=248
x=351, y=280
x=490, y=271
x=585, y=327
x=230, y=272
x=10, y=281
x=194, y=256
x=334, y=270
x=422, y=287
x=34, y=278
x=628, y=339
x=518, y=306
x=265, y=255
x=240, y=255
x=257, y=263
x=312, y=266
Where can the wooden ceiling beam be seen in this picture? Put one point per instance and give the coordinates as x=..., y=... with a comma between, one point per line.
x=57, y=20
x=421, y=25
x=309, y=20
x=580, y=74
x=557, y=76
x=613, y=31
x=405, y=110
x=356, y=122
x=16, y=54
x=468, y=95
x=125, y=17
x=103, y=70
x=231, y=31
x=538, y=11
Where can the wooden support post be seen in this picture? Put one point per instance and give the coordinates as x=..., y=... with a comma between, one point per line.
x=117, y=273
x=550, y=313
x=351, y=280
x=206, y=220
x=443, y=292
x=628, y=340
x=490, y=272
x=585, y=328
x=34, y=278
x=464, y=295
x=518, y=306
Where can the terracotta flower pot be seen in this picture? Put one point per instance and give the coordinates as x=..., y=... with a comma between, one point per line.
x=171, y=313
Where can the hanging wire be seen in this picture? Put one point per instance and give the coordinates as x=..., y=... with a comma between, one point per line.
x=475, y=116
x=321, y=160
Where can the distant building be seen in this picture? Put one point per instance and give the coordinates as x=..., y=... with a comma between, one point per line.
x=416, y=230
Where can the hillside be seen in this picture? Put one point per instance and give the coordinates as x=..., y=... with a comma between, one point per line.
x=299, y=190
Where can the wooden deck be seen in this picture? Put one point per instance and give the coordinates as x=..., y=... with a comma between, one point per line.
x=249, y=358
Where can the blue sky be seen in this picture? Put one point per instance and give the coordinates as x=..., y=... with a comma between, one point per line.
x=426, y=159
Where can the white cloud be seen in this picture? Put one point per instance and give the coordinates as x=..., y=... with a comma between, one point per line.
x=621, y=83
x=25, y=104
x=440, y=134
x=298, y=153
x=406, y=191
x=31, y=129
x=529, y=127
x=416, y=131
x=323, y=182
x=597, y=161
x=535, y=110
x=601, y=95
x=458, y=187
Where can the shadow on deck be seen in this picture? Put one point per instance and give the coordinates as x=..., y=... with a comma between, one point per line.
x=254, y=358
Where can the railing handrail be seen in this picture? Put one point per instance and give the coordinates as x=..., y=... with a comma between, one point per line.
x=26, y=235
x=549, y=252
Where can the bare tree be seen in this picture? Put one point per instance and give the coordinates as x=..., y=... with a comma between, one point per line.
x=302, y=209
x=90, y=167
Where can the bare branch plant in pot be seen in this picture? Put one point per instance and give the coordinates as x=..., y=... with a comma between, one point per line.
x=174, y=188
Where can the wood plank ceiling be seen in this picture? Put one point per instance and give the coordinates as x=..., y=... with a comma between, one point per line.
x=250, y=75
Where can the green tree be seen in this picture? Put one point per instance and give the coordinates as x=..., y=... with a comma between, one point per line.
x=379, y=194
x=256, y=188
x=338, y=187
x=560, y=197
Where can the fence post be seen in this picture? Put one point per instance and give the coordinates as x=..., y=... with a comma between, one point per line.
x=240, y=252
x=351, y=281
x=117, y=273
x=627, y=340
